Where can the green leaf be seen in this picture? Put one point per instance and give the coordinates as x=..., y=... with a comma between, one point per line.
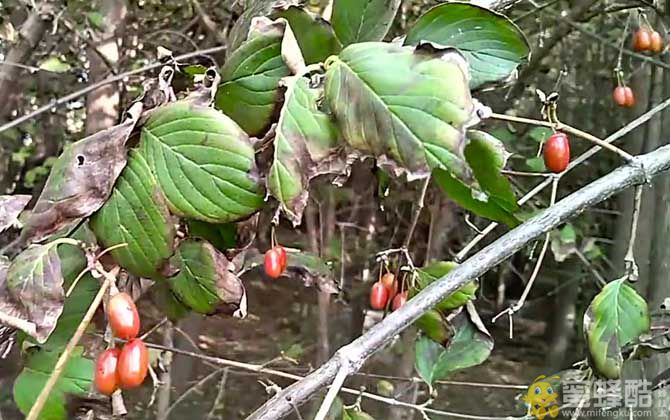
x=540, y=134
x=136, y=214
x=305, y=136
x=76, y=379
x=222, y=235
x=437, y=270
x=97, y=20
x=203, y=162
x=315, y=36
x=433, y=325
x=355, y=414
x=363, y=20
x=536, y=164
x=407, y=107
x=470, y=346
x=167, y=302
x=55, y=65
x=33, y=288
x=468, y=198
x=249, y=91
x=568, y=234
x=206, y=281
x=493, y=44
x=617, y=316
x=195, y=69
x=487, y=156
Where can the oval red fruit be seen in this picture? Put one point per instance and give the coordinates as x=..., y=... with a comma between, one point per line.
x=619, y=96
x=123, y=316
x=283, y=256
x=388, y=280
x=133, y=364
x=656, y=42
x=106, y=376
x=630, y=97
x=273, y=267
x=557, y=152
x=399, y=300
x=642, y=40
x=379, y=296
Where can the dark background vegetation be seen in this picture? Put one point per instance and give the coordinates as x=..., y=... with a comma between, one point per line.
x=575, y=41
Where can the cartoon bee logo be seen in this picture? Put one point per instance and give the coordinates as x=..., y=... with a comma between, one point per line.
x=541, y=398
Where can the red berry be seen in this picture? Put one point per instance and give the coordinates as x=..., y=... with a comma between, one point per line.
x=106, y=376
x=379, y=296
x=123, y=316
x=619, y=96
x=399, y=300
x=557, y=152
x=642, y=40
x=273, y=266
x=388, y=280
x=656, y=41
x=630, y=97
x=133, y=364
x=283, y=256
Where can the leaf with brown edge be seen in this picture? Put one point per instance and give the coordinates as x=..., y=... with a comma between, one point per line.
x=207, y=282
x=305, y=137
x=32, y=289
x=81, y=181
x=11, y=207
x=407, y=107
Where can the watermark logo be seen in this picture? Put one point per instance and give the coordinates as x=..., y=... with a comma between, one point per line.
x=541, y=397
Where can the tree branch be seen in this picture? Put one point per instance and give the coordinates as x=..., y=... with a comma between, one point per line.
x=355, y=353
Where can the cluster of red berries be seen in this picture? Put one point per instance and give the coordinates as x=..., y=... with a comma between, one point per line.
x=623, y=96
x=556, y=151
x=385, y=290
x=276, y=260
x=647, y=39
x=127, y=367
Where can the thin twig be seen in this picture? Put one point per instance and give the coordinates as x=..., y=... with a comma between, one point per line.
x=74, y=95
x=642, y=119
x=220, y=395
x=189, y=391
x=630, y=265
x=417, y=211
x=37, y=407
x=332, y=392
x=564, y=127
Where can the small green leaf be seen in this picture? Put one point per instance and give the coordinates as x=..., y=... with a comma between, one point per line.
x=76, y=379
x=493, y=44
x=434, y=326
x=96, y=20
x=617, y=316
x=540, y=134
x=470, y=346
x=136, y=214
x=355, y=414
x=536, y=164
x=222, y=235
x=434, y=272
x=407, y=107
x=487, y=156
x=315, y=36
x=249, y=91
x=204, y=163
x=194, y=69
x=55, y=65
x=305, y=136
x=363, y=20
x=168, y=302
x=206, y=281
x=472, y=200
x=568, y=234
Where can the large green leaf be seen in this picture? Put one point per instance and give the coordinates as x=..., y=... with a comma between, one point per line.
x=206, y=282
x=407, y=107
x=470, y=346
x=617, y=316
x=315, y=36
x=487, y=156
x=203, y=162
x=305, y=136
x=76, y=379
x=493, y=45
x=435, y=271
x=167, y=302
x=473, y=200
x=136, y=214
x=222, y=235
x=363, y=20
x=249, y=91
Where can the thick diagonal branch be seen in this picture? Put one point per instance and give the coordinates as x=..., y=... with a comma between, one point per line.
x=359, y=350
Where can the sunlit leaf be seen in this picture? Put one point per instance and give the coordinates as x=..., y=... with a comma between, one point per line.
x=315, y=36
x=203, y=162
x=617, y=316
x=363, y=20
x=55, y=65
x=305, y=137
x=493, y=44
x=437, y=270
